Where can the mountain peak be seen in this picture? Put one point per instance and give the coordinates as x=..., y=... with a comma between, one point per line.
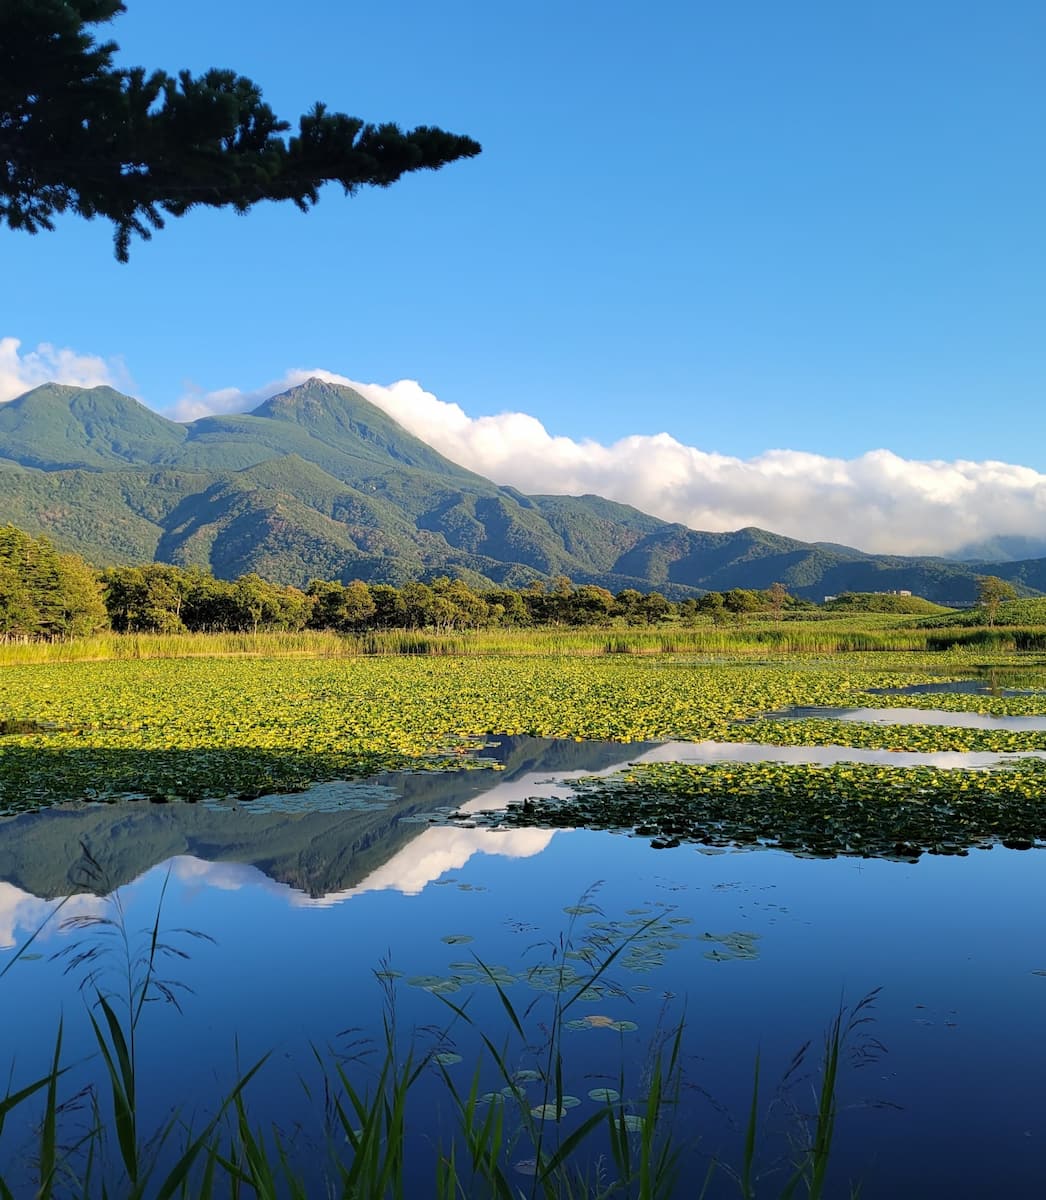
x=339, y=416
x=57, y=426
x=311, y=395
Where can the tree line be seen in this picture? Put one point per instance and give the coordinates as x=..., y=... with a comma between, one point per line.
x=47, y=594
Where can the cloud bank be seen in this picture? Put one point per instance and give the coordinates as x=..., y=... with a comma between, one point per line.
x=878, y=502
x=20, y=371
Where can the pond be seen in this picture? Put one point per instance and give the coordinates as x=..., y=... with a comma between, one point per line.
x=915, y=716
x=311, y=902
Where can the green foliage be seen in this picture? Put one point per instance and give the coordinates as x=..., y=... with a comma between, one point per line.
x=80, y=135
x=821, y=812
x=317, y=483
x=1009, y=614
x=43, y=593
x=883, y=602
x=991, y=593
x=198, y=727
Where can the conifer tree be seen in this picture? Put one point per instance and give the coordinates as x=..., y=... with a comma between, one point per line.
x=80, y=135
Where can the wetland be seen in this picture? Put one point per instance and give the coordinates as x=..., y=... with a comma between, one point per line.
x=574, y=902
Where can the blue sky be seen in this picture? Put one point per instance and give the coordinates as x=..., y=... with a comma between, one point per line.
x=814, y=227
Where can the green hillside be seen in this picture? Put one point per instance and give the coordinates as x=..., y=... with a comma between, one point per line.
x=55, y=427
x=319, y=483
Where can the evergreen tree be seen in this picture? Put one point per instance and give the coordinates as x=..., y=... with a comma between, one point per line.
x=18, y=615
x=78, y=134
x=45, y=594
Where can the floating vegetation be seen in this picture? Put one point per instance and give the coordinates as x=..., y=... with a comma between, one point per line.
x=199, y=729
x=604, y=1095
x=729, y=946
x=601, y=1022
x=447, y=1058
x=13, y=728
x=872, y=735
x=436, y=984
x=456, y=939
x=554, y=1112
x=846, y=809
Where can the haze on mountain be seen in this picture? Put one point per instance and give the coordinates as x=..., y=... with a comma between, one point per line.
x=317, y=482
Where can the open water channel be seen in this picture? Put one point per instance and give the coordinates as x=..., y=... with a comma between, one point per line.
x=304, y=897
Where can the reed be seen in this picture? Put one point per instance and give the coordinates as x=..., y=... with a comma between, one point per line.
x=631, y=1151
x=856, y=635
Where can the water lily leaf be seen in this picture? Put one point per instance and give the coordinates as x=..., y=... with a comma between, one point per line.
x=425, y=981
x=604, y=1095
x=548, y=1112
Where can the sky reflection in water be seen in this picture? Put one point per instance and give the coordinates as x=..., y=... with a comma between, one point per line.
x=954, y=944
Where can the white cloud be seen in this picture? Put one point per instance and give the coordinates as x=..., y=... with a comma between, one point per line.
x=23, y=914
x=878, y=502
x=20, y=371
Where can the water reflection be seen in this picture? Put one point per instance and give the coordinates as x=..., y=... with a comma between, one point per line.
x=334, y=839
x=995, y=683
x=346, y=838
x=956, y=944
x=916, y=716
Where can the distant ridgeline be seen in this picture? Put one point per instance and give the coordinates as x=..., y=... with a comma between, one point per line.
x=318, y=483
x=45, y=594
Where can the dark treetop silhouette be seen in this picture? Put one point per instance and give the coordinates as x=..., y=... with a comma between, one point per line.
x=80, y=135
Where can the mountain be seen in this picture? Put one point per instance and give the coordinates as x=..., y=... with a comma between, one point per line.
x=317, y=482
x=1001, y=549
x=306, y=847
x=55, y=427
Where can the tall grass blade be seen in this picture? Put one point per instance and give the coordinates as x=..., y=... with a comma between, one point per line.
x=49, y=1132
x=748, y=1161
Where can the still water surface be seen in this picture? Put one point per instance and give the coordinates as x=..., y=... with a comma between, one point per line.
x=306, y=895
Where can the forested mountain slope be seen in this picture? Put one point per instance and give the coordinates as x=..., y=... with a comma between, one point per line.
x=319, y=483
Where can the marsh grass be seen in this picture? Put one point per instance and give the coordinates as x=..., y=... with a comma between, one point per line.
x=812, y=1128
x=857, y=633
x=634, y=1149
x=644, y=1155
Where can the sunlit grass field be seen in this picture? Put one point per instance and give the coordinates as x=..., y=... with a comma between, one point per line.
x=857, y=633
